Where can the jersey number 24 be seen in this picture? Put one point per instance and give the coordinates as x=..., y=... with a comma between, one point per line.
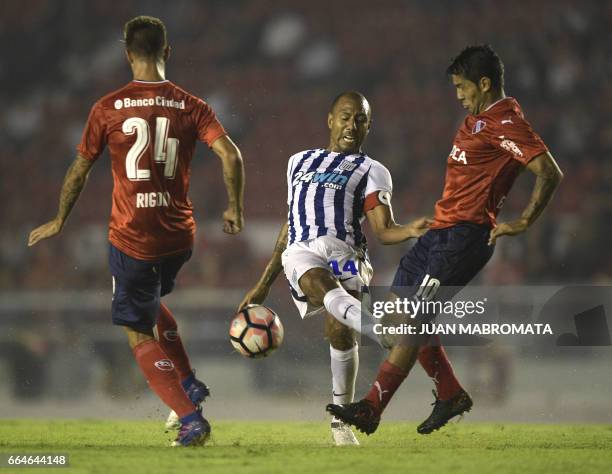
x=165, y=149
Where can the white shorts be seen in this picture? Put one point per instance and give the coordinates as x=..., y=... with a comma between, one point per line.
x=350, y=266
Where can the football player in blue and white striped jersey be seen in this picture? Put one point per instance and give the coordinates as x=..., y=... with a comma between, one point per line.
x=322, y=248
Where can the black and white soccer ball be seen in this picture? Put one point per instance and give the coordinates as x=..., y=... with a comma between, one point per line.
x=256, y=331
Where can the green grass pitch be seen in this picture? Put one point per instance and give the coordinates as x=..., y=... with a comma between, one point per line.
x=290, y=447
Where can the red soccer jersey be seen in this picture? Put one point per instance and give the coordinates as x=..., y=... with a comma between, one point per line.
x=488, y=153
x=151, y=130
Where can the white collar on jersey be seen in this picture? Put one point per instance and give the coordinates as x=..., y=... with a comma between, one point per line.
x=149, y=82
x=495, y=103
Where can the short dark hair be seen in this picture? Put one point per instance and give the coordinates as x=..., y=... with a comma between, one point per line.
x=479, y=61
x=351, y=94
x=145, y=36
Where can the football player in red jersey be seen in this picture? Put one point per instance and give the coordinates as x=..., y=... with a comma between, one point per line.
x=494, y=143
x=151, y=127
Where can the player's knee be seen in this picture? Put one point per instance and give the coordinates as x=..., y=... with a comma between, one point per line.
x=315, y=284
x=401, y=355
x=136, y=337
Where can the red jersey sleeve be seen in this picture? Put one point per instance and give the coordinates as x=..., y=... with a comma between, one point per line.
x=208, y=126
x=515, y=135
x=93, y=140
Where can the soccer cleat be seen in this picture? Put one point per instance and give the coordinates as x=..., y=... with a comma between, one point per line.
x=360, y=414
x=444, y=410
x=197, y=392
x=342, y=434
x=193, y=433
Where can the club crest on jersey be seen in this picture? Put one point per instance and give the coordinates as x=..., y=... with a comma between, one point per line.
x=478, y=126
x=346, y=166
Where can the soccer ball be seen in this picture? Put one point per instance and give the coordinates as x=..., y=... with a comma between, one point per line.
x=256, y=331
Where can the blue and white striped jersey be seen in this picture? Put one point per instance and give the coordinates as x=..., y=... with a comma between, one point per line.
x=326, y=194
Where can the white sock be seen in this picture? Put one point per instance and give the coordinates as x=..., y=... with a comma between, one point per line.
x=347, y=309
x=344, y=366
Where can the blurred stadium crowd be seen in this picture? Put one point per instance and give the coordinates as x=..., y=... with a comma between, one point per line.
x=271, y=69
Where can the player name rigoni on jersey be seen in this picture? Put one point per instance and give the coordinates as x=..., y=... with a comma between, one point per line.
x=153, y=199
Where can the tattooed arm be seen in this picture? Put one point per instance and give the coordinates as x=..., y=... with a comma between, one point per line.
x=260, y=291
x=548, y=177
x=74, y=182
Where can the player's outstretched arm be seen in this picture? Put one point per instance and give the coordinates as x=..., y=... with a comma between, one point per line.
x=548, y=176
x=74, y=182
x=388, y=231
x=259, y=292
x=233, y=175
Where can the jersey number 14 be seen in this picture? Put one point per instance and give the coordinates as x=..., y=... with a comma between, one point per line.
x=165, y=149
